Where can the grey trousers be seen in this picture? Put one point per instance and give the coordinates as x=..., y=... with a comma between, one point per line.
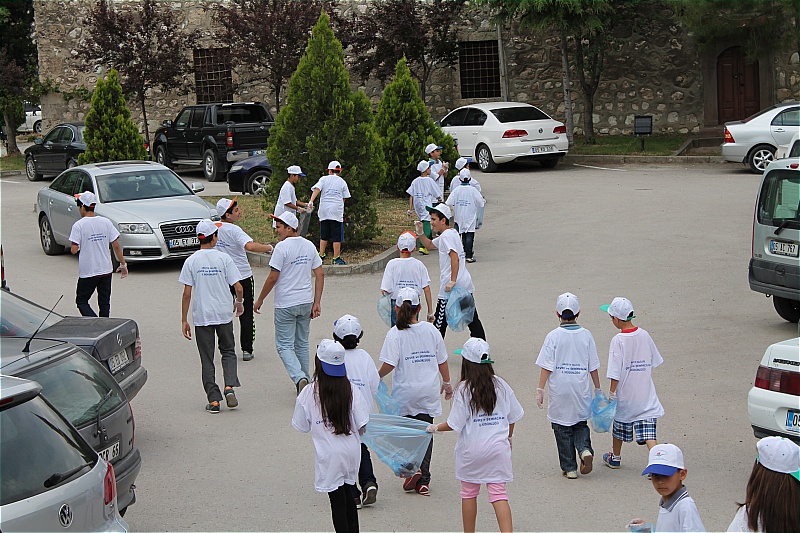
x=204, y=337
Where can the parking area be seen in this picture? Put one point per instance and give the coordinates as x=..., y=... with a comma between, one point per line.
x=675, y=240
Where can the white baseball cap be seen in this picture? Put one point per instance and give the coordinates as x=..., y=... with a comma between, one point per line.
x=407, y=294
x=347, y=325
x=224, y=204
x=87, y=198
x=288, y=218
x=568, y=302
x=331, y=355
x=664, y=460
x=422, y=166
x=779, y=455
x=207, y=228
x=464, y=175
x=619, y=307
x=334, y=165
x=461, y=162
x=443, y=209
x=431, y=147
x=476, y=350
x=407, y=241
x=295, y=169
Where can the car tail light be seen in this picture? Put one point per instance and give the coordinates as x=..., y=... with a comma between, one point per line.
x=513, y=134
x=777, y=380
x=559, y=130
x=229, y=139
x=109, y=485
x=794, y=166
x=728, y=136
x=137, y=348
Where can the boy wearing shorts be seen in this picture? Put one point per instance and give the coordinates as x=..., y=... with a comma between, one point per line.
x=332, y=191
x=423, y=193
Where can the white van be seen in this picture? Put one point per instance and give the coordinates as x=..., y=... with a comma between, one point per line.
x=774, y=265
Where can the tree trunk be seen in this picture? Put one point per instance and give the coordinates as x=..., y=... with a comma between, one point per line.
x=277, y=87
x=567, y=88
x=589, y=87
x=11, y=134
x=144, y=116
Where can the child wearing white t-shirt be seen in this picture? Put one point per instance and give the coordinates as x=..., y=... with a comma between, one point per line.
x=632, y=357
x=462, y=165
x=484, y=412
x=333, y=192
x=416, y=353
x=423, y=193
x=287, y=197
x=362, y=373
x=406, y=271
x=568, y=360
x=466, y=202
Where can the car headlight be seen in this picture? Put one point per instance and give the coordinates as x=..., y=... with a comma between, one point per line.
x=236, y=168
x=135, y=228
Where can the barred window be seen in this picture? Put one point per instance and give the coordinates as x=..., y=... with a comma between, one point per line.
x=212, y=75
x=479, y=62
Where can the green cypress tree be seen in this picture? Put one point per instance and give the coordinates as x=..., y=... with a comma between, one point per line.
x=110, y=134
x=406, y=127
x=323, y=119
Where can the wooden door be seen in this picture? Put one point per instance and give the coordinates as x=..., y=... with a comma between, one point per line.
x=738, y=93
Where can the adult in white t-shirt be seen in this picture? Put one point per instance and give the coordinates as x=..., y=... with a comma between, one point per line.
x=207, y=276
x=452, y=267
x=332, y=191
x=466, y=202
x=91, y=236
x=287, y=197
x=233, y=241
x=292, y=264
x=406, y=271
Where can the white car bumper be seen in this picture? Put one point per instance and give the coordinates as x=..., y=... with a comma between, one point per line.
x=769, y=411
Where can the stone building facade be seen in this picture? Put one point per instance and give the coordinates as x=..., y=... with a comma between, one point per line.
x=655, y=69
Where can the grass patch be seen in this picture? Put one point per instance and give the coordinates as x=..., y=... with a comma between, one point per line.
x=391, y=216
x=12, y=162
x=628, y=145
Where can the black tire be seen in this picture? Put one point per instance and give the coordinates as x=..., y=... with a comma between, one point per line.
x=257, y=181
x=211, y=166
x=548, y=163
x=789, y=310
x=759, y=157
x=484, y=157
x=49, y=244
x=31, y=171
x=37, y=126
x=162, y=157
x=123, y=511
x=72, y=163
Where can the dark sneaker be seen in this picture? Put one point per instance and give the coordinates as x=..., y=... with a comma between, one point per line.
x=230, y=399
x=610, y=461
x=247, y=356
x=322, y=256
x=212, y=408
x=410, y=483
x=471, y=259
x=586, y=462
x=300, y=385
x=370, y=494
x=339, y=261
x=358, y=502
x=423, y=489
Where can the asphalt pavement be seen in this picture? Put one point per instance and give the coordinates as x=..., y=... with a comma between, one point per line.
x=673, y=239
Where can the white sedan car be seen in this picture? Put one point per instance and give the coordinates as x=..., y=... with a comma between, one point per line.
x=33, y=119
x=774, y=401
x=499, y=132
x=754, y=140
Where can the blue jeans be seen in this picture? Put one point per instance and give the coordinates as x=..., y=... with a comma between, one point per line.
x=468, y=240
x=568, y=440
x=291, y=339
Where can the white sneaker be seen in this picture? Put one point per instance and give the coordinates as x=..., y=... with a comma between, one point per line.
x=571, y=474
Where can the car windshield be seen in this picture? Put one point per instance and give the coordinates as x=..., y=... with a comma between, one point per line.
x=518, y=114
x=35, y=444
x=20, y=318
x=77, y=385
x=779, y=201
x=140, y=185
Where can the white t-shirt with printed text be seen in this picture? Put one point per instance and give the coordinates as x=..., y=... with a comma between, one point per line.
x=451, y=240
x=404, y=272
x=288, y=195
x=456, y=181
x=425, y=192
x=332, y=192
x=632, y=357
x=231, y=240
x=210, y=273
x=362, y=372
x=295, y=258
x=94, y=235
x=465, y=201
x=439, y=180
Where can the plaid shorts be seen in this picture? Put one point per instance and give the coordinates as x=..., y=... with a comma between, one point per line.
x=645, y=430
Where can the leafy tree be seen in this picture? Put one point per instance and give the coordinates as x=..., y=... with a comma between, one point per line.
x=18, y=65
x=145, y=42
x=323, y=119
x=426, y=33
x=406, y=127
x=110, y=134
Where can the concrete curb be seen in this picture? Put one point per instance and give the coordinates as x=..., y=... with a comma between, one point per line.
x=644, y=159
x=11, y=173
x=376, y=264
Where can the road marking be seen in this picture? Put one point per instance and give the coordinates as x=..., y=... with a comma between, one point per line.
x=599, y=168
x=5, y=180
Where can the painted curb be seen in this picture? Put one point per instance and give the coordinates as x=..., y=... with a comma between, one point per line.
x=376, y=264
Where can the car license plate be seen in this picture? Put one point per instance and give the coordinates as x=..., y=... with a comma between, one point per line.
x=118, y=360
x=793, y=421
x=110, y=453
x=258, y=152
x=789, y=249
x=542, y=149
x=184, y=243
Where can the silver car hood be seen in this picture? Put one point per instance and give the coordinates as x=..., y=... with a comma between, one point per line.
x=156, y=211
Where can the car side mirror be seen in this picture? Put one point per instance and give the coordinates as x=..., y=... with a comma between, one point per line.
x=167, y=123
x=197, y=187
x=37, y=141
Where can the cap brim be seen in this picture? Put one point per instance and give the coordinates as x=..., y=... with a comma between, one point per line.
x=796, y=475
x=335, y=371
x=604, y=307
x=661, y=470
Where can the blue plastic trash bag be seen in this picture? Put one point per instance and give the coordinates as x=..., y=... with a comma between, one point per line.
x=603, y=413
x=460, y=309
x=398, y=441
x=385, y=309
x=479, y=222
x=386, y=404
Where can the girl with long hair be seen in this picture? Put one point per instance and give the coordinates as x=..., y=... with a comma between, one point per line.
x=335, y=414
x=483, y=413
x=415, y=351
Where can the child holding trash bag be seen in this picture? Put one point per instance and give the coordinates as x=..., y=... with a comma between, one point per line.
x=362, y=373
x=483, y=413
x=568, y=359
x=334, y=412
x=416, y=353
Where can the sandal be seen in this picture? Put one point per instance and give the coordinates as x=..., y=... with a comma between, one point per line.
x=423, y=490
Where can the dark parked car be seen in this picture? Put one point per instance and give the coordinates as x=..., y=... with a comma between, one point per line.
x=88, y=397
x=250, y=175
x=114, y=342
x=57, y=151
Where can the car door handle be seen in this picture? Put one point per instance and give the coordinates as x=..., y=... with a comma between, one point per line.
x=779, y=130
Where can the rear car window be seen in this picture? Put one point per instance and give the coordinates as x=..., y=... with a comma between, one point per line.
x=241, y=113
x=35, y=444
x=78, y=386
x=519, y=114
x=779, y=201
x=20, y=318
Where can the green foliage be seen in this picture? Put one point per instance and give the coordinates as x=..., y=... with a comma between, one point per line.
x=110, y=133
x=406, y=128
x=323, y=120
x=18, y=64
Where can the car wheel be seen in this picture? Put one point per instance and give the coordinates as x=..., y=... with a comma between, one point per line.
x=37, y=126
x=548, y=163
x=211, y=166
x=789, y=310
x=485, y=161
x=30, y=170
x=759, y=157
x=72, y=163
x=162, y=158
x=257, y=182
x=49, y=244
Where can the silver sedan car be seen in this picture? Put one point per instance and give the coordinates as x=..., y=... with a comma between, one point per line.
x=754, y=140
x=154, y=210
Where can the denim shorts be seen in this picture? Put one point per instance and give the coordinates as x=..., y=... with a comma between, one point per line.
x=644, y=429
